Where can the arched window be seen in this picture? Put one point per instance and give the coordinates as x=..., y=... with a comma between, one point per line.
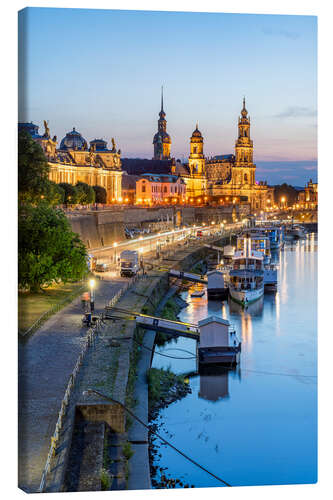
x=143, y=187
x=245, y=179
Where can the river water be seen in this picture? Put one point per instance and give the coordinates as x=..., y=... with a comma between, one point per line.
x=256, y=425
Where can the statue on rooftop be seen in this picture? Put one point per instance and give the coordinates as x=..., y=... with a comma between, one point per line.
x=47, y=130
x=113, y=145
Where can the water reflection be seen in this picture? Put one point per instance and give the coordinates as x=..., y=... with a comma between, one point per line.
x=273, y=406
x=214, y=385
x=214, y=382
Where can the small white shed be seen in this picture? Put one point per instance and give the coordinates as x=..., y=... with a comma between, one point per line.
x=228, y=251
x=215, y=279
x=214, y=332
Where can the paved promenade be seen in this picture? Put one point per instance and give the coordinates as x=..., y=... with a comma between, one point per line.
x=46, y=360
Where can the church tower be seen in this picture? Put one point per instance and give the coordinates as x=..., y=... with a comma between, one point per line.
x=196, y=160
x=243, y=173
x=196, y=183
x=162, y=140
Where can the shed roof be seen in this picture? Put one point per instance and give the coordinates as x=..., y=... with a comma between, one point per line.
x=213, y=319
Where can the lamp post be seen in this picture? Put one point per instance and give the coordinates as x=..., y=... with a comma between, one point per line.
x=115, y=244
x=283, y=201
x=92, y=296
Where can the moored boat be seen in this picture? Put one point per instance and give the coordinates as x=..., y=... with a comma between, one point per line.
x=246, y=279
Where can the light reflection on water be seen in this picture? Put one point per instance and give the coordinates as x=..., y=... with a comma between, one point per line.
x=255, y=425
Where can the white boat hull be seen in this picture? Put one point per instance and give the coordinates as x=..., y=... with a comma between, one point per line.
x=246, y=296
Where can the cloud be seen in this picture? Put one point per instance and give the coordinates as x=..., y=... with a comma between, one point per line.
x=285, y=33
x=297, y=111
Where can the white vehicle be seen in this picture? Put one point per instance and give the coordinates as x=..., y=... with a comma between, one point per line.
x=129, y=263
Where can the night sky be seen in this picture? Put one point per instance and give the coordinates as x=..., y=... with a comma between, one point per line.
x=101, y=71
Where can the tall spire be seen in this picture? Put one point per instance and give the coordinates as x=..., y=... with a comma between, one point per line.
x=244, y=110
x=162, y=98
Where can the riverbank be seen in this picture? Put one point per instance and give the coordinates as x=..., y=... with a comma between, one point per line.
x=128, y=383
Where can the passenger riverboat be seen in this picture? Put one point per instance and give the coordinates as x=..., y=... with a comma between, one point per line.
x=259, y=242
x=275, y=235
x=246, y=279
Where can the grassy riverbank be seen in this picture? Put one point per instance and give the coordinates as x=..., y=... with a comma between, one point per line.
x=32, y=306
x=160, y=382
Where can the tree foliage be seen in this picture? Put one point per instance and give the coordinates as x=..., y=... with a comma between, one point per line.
x=70, y=193
x=33, y=170
x=100, y=194
x=286, y=191
x=55, y=194
x=49, y=251
x=85, y=193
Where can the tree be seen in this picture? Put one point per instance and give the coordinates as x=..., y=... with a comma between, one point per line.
x=49, y=251
x=33, y=170
x=85, y=193
x=71, y=194
x=285, y=191
x=100, y=194
x=55, y=194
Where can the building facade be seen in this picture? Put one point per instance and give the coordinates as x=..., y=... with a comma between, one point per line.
x=74, y=161
x=154, y=189
x=308, y=199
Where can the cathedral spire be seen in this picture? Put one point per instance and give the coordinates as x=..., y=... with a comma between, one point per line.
x=244, y=110
x=162, y=98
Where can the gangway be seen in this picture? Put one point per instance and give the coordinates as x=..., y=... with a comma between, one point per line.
x=177, y=328
x=217, y=339
x=183, y=275
x=214, y=247
x=156, y=324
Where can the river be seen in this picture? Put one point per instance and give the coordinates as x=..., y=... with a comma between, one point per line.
x=256, y=425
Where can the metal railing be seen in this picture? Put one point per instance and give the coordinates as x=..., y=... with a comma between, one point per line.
x=91, y=334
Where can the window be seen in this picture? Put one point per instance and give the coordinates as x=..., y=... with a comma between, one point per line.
x=143, y=187
x=165, y=189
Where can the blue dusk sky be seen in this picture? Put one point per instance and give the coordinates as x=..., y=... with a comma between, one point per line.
x=101, y=71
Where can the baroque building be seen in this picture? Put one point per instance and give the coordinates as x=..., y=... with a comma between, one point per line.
x=226, y=178
x=162, y=140
x=196, y=178
x=74, y=161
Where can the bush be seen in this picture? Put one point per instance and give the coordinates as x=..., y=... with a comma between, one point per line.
x=105, y=480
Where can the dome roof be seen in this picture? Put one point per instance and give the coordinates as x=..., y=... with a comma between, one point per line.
x=164, y=135
x=73, y=140
x=196, y=132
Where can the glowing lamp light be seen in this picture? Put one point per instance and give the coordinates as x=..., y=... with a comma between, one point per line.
x=92, y=284
x=115, y=244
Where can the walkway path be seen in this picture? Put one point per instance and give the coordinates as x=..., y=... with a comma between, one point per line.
x=46, y=360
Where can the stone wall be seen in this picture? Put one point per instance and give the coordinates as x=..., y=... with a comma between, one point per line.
x=103, y=228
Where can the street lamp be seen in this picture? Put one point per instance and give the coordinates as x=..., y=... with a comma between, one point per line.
x=283, y=200
x=115, y=244
x=92, y=297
